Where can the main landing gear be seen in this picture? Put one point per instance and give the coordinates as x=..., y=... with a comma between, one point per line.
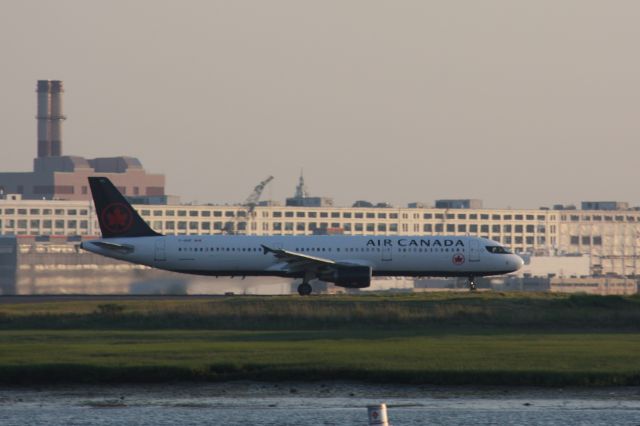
x=304, y=289
x=472, y=284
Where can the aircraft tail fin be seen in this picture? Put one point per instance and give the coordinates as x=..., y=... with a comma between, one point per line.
x=115, y=215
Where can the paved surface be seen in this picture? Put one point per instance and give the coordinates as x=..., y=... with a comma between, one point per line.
x=42, y=298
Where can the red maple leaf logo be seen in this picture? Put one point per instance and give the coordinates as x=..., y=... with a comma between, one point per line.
x=458, y=259
x=117, y=218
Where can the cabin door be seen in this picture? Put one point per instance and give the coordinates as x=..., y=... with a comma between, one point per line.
x=474, y=251
x=161, y=253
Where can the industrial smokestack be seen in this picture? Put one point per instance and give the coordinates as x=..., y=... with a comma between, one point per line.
x=44, y=147
x=55, y=129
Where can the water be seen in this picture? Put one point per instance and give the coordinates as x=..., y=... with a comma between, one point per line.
x=314, y=404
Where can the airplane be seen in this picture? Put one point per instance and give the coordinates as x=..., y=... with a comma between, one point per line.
x=344, y=260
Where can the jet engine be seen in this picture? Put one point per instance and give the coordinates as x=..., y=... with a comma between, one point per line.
x=348, y=276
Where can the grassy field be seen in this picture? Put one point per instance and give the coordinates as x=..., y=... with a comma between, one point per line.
x=485, y=338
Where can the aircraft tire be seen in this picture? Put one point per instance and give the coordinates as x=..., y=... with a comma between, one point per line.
x=304, y=289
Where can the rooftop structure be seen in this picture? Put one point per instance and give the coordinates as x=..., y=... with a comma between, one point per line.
x=605, y=205
x=301, y=197
x=459, y=204
x=64, y=177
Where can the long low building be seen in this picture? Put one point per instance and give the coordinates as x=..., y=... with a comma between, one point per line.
x=608, y=237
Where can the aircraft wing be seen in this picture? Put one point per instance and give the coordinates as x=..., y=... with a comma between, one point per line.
x=298, y=261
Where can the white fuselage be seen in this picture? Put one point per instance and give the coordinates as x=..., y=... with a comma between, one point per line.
x=245, y=255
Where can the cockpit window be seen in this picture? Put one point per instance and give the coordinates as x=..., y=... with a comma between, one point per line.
x=498, y=250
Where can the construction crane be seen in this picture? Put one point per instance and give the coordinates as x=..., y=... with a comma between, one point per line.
x=241, y=220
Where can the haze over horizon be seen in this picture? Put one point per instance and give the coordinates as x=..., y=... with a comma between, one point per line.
x=520, y=104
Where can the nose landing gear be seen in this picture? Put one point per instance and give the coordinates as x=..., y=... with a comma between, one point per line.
x=472, y=284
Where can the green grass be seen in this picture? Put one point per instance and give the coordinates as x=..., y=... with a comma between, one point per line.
x=433, y=311
x=476, y=339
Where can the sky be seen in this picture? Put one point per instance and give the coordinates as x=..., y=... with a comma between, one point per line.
x=519, y=103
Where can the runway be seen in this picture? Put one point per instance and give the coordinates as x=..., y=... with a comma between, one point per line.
x=48, y=298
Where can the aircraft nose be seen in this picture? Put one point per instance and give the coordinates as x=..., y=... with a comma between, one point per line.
x=517, y=262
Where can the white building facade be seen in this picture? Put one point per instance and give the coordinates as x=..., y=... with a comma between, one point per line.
x=609, y=238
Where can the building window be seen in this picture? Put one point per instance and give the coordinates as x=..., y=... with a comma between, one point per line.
x=427, y=216
x=427, y=227
x=439, y=227
x=575, y=240
x=451, y=227
x=462, y=228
